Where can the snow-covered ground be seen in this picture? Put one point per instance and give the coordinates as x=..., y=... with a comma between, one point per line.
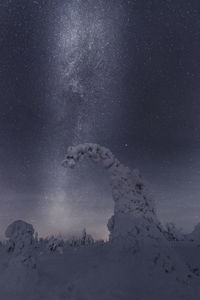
x=107, y=271
x=143, y=260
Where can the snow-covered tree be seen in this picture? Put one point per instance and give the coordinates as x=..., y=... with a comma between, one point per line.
x=22, y=243
x=55, y=244
x=86, y=239
x=21, y=274
x=129, y=191
x=134, y=225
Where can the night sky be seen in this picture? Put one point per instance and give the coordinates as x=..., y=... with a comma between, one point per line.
x=124, y=74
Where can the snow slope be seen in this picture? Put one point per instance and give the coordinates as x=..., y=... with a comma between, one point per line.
x=99, y=272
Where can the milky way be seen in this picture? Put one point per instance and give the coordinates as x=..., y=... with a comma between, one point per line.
x=124, y=74
x=86, y=68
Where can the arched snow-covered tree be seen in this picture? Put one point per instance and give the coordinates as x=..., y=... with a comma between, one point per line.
x=129, y=192
x=134, y=224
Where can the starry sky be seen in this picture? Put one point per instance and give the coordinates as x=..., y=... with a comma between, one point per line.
x=124, y=74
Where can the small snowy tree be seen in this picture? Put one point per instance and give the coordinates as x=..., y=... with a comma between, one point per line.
x=55, y=244
x=86, y=239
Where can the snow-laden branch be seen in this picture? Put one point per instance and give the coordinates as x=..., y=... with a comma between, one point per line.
x=94, y=152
